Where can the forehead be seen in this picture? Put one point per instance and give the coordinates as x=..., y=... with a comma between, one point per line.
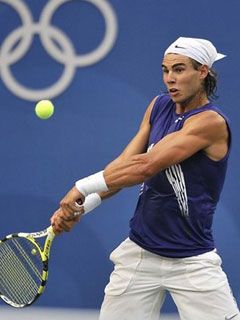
x=172, y=58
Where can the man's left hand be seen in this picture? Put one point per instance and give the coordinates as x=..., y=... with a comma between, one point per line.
x=70, y=204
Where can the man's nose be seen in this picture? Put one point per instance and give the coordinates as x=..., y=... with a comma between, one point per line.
x=170, y=78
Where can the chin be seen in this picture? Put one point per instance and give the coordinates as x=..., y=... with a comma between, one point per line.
x=181, y=100
x=177, y=99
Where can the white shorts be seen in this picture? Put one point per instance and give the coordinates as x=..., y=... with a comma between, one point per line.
x=140, y=280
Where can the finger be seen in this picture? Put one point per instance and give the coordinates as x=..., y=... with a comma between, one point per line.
x=79, y=213
x=78, y=218
x=69, y=201
x=69, y=209
x=63, y=225
x=56, y=229
x=73, y=215
x=52, y=220
x=69, y=218
x=55, y=213
x=66, y=226
x=66, y=212
x=55, y=216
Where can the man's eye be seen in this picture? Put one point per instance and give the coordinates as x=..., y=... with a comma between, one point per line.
x=179, y=70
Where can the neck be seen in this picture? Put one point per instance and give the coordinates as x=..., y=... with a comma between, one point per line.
x=192, y=103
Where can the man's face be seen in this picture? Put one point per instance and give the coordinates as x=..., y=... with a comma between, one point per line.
x=183, y=82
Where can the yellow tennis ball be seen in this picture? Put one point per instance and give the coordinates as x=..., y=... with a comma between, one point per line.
x=44, y=109
x=34, y=252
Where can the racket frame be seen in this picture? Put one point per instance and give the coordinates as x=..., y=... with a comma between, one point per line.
x=44, y=253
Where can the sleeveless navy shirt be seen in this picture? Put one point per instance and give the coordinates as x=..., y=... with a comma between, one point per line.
x=174, y=213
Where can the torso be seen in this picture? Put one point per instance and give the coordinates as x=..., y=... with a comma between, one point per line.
x=175, y=208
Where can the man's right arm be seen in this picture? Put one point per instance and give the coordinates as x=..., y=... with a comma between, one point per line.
x=136, y=146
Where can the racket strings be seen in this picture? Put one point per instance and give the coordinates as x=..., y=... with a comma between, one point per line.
x=15, y=278
x=20, y=271
x=12, y=284
x=27, y=258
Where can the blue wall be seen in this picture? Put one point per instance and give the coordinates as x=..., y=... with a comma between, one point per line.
x=96, y=115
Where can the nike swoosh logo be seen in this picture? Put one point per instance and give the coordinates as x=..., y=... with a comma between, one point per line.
x=229, y=318
x=176, y=46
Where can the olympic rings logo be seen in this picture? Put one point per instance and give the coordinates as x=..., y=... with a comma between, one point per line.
x=19, y=41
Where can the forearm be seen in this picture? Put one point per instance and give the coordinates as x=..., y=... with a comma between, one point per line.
x=131, y=171
x=108, y=194
x=126, y=170
x=134, y=170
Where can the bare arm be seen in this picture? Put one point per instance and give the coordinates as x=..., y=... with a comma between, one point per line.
x=137, y=145
x=205, y=131
x=62, y=218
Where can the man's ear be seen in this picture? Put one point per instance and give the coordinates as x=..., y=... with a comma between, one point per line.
x=204, y=70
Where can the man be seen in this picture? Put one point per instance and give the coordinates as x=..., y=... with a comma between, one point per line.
x=180, y=155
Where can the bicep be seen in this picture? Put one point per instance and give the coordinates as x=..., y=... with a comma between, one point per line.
x=139, y=142
x=198, y=134
x=175, y=148
x=137, y=145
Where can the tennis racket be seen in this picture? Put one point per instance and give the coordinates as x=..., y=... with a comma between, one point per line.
x=24, y=266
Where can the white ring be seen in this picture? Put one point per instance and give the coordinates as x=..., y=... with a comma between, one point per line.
x=64, y=52
x=27, y=22
x=81, y=59
x=32, y=94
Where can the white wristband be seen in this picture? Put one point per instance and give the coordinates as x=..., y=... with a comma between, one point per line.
x=92, y=184
x=91, y=202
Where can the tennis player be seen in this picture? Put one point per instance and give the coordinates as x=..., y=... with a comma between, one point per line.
x=180, y=156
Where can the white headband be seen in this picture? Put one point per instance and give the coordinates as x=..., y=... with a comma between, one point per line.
x=200, y=50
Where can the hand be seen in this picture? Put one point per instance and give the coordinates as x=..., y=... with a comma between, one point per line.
x=70, y=204
x=59, y=223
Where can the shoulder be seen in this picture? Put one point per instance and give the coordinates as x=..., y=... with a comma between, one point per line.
x=163, y=99
x=159, y=105
x=151, y=106
x=206, y=123
x=208, y=117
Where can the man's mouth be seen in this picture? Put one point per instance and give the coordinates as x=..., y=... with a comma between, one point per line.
x=173, y=91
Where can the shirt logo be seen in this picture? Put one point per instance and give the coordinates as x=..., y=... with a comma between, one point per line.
x=175, y=177
x=179, y=119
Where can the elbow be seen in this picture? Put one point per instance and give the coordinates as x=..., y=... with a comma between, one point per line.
x=148, y=170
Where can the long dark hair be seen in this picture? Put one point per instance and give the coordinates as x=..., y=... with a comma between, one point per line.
x=210, y=82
